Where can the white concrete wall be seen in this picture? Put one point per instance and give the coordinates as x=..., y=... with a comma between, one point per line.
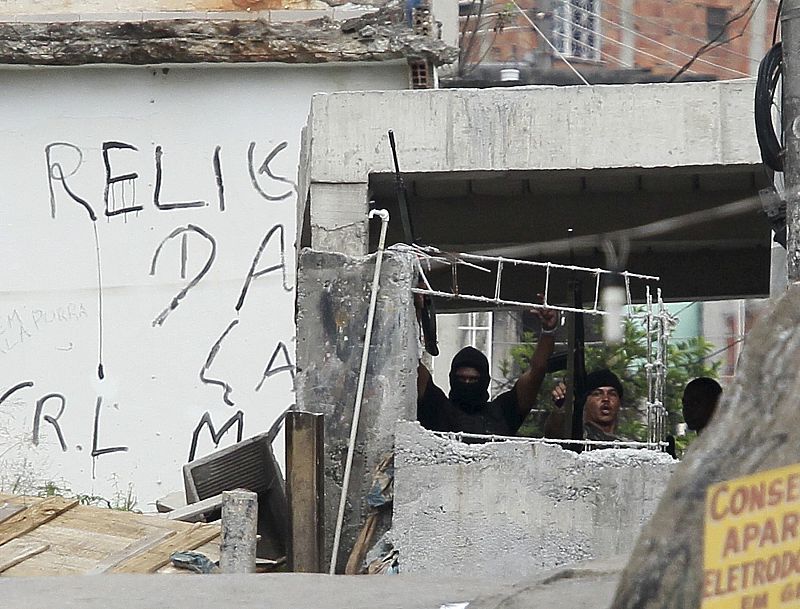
x=513, y=509
x=76, y=292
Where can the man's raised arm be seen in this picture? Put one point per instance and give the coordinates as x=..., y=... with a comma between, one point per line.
x=530, y=382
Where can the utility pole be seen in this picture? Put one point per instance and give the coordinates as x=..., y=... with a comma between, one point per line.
x=790, y=35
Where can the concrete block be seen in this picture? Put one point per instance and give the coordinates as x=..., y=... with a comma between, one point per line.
x=333, y=293
x=339, y=218
x=517, y=508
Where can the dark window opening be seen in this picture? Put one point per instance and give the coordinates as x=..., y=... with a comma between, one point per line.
x=716, y=20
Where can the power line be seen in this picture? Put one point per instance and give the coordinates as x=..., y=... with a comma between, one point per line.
x=653, y=40
x=550, y=44
x=676, y=32
x=715, y=42
x=627, y=46
x=659, y=227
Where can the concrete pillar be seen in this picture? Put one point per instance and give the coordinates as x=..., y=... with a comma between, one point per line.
x=790, y=33
x=446, y=13
x=237, y=550
x=333, y=293
x=338, y=217
x=626, y=53
x=758, y=36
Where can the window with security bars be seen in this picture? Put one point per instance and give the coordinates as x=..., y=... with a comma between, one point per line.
x=576, y=28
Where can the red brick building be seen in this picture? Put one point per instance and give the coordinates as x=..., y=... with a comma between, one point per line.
x=633, y=40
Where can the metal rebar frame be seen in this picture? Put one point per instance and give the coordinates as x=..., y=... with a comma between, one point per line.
x=426, y=256
x=658, y=323
x=586, y=444
x=655, y=318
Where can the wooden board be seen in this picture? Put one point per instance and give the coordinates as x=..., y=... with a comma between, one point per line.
x=18, y=550
x=134, y=549
x=158, y=556
x=33, y=516
x=8, y=510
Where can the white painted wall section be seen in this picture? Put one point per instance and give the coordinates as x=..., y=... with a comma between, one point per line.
x=147, y=222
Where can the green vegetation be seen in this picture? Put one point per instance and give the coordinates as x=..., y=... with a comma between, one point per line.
x=686, y=360
x=122, y=500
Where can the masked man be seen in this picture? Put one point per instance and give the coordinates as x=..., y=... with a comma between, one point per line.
x=468, y=408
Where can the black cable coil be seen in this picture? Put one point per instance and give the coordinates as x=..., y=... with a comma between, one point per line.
x=769, y=72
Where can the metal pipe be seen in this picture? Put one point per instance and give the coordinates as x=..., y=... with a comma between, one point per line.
x=373, y=300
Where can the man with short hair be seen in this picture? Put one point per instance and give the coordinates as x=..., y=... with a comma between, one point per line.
x=467, y=408
x=700, y=399
x=601, y=406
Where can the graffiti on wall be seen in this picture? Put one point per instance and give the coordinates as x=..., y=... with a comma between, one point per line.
x=183, y=248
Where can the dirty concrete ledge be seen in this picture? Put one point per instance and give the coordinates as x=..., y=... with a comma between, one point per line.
x=586, y=586
x=379, y=36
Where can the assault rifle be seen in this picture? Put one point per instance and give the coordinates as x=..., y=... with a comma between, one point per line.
x=427, y=313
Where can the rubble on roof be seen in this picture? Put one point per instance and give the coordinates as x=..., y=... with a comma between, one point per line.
x=377, y=36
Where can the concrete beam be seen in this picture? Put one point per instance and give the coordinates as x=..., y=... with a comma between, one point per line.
x=530, y=128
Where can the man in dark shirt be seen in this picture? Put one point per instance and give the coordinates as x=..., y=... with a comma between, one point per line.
x=468, y=408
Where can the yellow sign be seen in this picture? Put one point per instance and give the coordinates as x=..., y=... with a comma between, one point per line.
x=751, y=552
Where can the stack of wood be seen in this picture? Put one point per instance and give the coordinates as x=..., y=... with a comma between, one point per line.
x=57, y=536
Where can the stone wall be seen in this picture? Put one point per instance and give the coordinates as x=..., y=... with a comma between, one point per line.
x=515, y=508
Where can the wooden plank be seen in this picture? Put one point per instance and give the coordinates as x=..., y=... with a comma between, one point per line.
x=7, y=510
x=130, y=551
x=194, y=512
x=305, y=481
x=158, y=556
x=34, y=516
x=18, y=550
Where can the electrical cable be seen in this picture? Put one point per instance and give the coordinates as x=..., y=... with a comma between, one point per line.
x=622, y=44
x=654, y=41
x=777, y=22
x=715, y=41
x=674, y=32
x=550, y=44
x=769, y=73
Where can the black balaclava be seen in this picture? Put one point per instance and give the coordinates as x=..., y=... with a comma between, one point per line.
x=470, y=397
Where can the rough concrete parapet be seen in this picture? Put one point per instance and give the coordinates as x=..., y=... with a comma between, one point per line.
x=333, y=294
x=516, y=508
